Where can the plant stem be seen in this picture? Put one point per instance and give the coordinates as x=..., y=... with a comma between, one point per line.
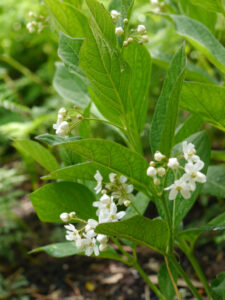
x=185, y=277
x=148, y=281
x=104, y=121
x=172, y=279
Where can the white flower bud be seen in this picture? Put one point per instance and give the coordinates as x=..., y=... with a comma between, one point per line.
x=152, y=164
x=119, y=31
x=144, y=39
x=151, y=171
x=125, y=43
x=103, y=247
x=130, y=40
x=31, y=14
x=65, y=217
x=156, y=181
x=158, y=156
x=161, y=171
x=141, y=29
x=127, y=203
x=72, y=215
x=114, y=14
x=102, y=238
x=173, y=163
x=62, y=111
x=125, y=21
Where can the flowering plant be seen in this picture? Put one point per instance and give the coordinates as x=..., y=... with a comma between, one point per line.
x=109, y=66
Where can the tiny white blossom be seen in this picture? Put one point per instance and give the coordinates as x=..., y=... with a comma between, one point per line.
x=72, y=215
x=125, y=43
x=158, y=156
x=193, y=174
x=151, y=171
x=141, y=29
x=119, y=31
x=154, y=2
x=130, y=40
x=112, y=177
x=127, y=203
x=111, y=214
x=62, y=129
x=114, y=14
x=81, y=244
x=161, y=171
x=102, y=238
x=181, y=186
x=123, y=179
x=103, y=247
x=72, y=233
x=91, y=224
x=144, y=39
x=91, y=247
x=125, y=21
x=65, y=217
x=98, y=177
x=31, y=26
x=189, y=150
x=173, y=163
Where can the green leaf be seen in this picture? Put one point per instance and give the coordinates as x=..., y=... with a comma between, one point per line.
x=211, y=5
x=65, y=249
x=189, y=127
x=140, y=230
x=83, y=171
x=165, y=116
x=39, y=153
x=104, y=67
x=214, y=185
x=54, y=140
x=141, y=202
x=55, y=198
x=201, y=38
x=218, y=287
x=69, y=49
x=165, y=282
x=70, y=19
x=114, y=158
x=218, y=155
x=71, y=87
x=197, y=98
x=138, y=58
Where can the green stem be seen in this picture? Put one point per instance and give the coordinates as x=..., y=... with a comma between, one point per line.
x=104, y=121
x=172, y=279
x=185, y=277
x=149, y=282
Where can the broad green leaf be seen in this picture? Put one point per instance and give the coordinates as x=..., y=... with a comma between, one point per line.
x=139, y=60
x=83, y=171
x=189, y=127
x=218, y=287
x=70, y=19
x=71, y=87
x=54, y=140
x=140, y=202
x=65, y=249
x=193, y=72
x=165, y=282
x=140, y=230
x=211, y=5
x=55, y=198
x=75, y=3
x=115, y=158
x=69, y=49
x=218, y=155
x=214, y=185
x=205, y=100
x=165, y=116
x=202, y=39
x=39, y=153
x=101, y=62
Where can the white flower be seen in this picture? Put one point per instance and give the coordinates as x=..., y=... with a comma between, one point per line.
x=72, y=215
x=141, y=29
x=62, y=129
x=161, y=171
x=144, y=39
x=62, y=112
x=127, y=203
x=103, y=247
x=102, y=238
x=112, y=177
x=158, y=156
x=181, y=186
x=130, y=40
x=119, y=31
x=123, y=179
x=154, y=2
x=193, y=175
x=173, y=163
x=189, y=151
x=31, y=26
x=91, y=247
x=114, y=14
x=110, y=215
x=151, y=171
x=72, y=233
x=91, y=224
x=98, y=177
x=81, y=244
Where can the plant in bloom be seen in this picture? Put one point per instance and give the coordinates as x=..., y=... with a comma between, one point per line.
x=61, y=126
x=186, y=183
x=86, y=238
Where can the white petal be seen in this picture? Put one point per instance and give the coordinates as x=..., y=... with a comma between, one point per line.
x=173, y=194
x=123, y=179
x=120, y=214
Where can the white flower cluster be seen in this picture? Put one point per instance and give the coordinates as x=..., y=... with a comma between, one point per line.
x=61, y=126
x=86, y=238
x=186, y=183
x=37, y=24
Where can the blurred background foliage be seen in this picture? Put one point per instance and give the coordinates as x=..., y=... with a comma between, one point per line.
x=29, y=102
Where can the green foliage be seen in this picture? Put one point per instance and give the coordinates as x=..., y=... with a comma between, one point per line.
x=140, y=230
x=165, y=116
x=211, y=5
x=165, y=283
x=55, y=198
x=218, y=287
x=215, y=181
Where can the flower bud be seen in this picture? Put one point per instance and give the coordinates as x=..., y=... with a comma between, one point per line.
x=65, y=217
x=158, y=156
x=72, y=215
x=151, y=171
x=119, y=31
x=173, y=163
x=127, y=203
x=141, y=29
x=125, y=43
x=130, y=40
x=114, y=14
x=161, y=171
x=144, y=39
x=125, y=21
x=157, y=181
